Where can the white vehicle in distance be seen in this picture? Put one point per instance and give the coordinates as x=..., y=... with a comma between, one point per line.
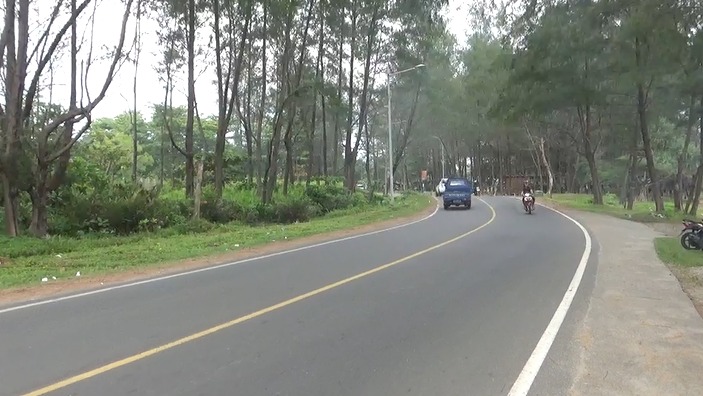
x=439, y=190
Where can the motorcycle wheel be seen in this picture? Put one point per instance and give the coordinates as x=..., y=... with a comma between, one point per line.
x=687, y=242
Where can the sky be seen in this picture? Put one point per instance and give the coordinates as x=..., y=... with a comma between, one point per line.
x=150, y=89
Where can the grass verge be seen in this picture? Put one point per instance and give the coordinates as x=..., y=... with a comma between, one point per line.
x=670, y=251
x=25, y=261
x=641, y=211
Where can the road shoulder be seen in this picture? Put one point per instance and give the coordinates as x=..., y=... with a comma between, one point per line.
x=641, y=334
x=76, y=285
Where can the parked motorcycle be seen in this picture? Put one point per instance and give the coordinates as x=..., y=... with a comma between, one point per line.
x=692, y=235
x=528, y=201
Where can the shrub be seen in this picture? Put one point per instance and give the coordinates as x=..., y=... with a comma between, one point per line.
x=172, y=210
x=122, y=212
x=194, y=227
x=294, y=207
x=329, y=197
x=95, y=205
x=238, y=203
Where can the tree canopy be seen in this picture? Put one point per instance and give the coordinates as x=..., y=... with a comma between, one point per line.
x=581, y=96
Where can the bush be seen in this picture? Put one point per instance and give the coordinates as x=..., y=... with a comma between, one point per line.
x=95, y=206
x=238, y=203
x=294, y=207
x=330, y=197
x=241, y=203
x=118, y=211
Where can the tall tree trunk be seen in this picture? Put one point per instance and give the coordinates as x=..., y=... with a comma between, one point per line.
x=288, y=145
x=198, y=190
x=546, y=164
x=289, y=173
x=375, y=160
x=406, y=176
x=683, y=156
x=311, y=144
x=589, y=153
x=43, y=183
x=223, y=85
x=696, y=196
x=284, y=97
x=262, y=105
x=9, y=191
x=190, y=116
x=249, y=132
x=647, y=146
x=501, y=171
x=508, y=157
x=692, y=205
x=479, y=163
x=16, y=70
x=325, y=164
x=162, y=156
x=631, y=180
x=405, y=135
x=337, y=113
x=137, y=44
x=646, y=139
x=350, y=155
x=367, y=164
x=228, y=86
x=319, y=77
x=349, y=160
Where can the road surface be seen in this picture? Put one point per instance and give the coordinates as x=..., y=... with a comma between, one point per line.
x=385, y=314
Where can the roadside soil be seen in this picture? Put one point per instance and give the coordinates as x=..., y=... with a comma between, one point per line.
x=691, y=279
x=86, y=283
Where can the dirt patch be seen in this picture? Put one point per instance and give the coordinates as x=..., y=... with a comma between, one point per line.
x=668, y=229
x=82, y=284
x=691, y=280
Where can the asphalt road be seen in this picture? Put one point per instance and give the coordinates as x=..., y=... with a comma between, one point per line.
x=460, y=319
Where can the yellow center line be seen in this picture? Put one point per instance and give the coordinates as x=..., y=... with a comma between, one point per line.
x=142, y=355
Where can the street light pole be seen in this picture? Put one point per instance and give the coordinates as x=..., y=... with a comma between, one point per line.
x=390, y=128
x=441, y=145
x=390, y=139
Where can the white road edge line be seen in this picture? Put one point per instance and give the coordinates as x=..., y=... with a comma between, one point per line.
x=529, y=372
x=205, y=269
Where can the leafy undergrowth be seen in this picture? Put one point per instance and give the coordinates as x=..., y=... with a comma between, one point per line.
x=670, y=251
x=27, y=260
x=642, y=211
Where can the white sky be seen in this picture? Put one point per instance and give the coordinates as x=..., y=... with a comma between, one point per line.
x=150, y=89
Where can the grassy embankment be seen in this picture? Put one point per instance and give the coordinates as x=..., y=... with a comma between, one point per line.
x=25, y=260
x=668, y=249
x=641, y=211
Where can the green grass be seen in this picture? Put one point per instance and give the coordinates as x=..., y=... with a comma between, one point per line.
x=641, y=211
x=25, y=261
x=670, y=251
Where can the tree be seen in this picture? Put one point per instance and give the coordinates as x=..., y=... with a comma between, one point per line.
x=50, y=156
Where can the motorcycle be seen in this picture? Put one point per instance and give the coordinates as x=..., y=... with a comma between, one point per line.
x=692, y=235
x=528, y=201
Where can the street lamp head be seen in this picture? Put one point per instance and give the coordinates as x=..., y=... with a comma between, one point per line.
x=420, y=65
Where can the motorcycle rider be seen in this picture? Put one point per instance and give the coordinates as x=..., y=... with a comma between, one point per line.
x=527, y=189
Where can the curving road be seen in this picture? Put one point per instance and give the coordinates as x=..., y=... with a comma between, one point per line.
x=451, y=305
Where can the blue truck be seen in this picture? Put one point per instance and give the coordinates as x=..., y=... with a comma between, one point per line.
x=457, y=192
